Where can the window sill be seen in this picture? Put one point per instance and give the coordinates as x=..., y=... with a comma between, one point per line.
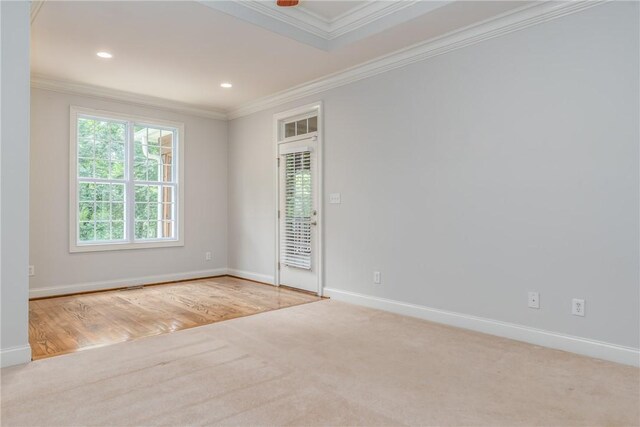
x=99, y=247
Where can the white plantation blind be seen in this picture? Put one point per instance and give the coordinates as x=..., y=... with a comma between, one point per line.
x=296, y=239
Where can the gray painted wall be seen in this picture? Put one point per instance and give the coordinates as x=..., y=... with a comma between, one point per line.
x=476, y=176
x=205, y=200
x=14, y=186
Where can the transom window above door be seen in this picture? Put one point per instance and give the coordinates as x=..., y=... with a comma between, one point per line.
x=126, y=182
x=300, y=126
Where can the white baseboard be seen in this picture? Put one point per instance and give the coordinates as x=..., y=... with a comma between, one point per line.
x=15, y=355
x=264, y=278
x=131, y=281
x=584, y=346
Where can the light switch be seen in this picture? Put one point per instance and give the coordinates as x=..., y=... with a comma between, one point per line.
x=334, y=198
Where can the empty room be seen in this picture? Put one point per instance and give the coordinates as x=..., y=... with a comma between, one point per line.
x=320, y=212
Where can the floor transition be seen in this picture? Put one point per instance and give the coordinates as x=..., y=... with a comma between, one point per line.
x=66, y=324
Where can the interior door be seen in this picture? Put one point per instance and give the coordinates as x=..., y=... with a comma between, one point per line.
x=298, y=197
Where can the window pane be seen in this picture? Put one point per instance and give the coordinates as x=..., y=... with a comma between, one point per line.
x=117, y=151
x=167, y=173
x=152, y=229
x=117, y=170
x=86, y=128
x=85, y=147
x=117, y=211
x=140, y=171
x=103, y=230
x=102, y=169
x=85, y=168
x=87, y=191
x=103, y=211
x=154, y=211
x=289, y=129
x=87, y=232
x=142, y=212
x=167, y=195
x=103, y=192
x=100, y=206
x=117, y=133
x=102, y=150
x=167, y=229
x=153, y=170
x=86, y=211
x=117, y=192
x=301, y=127
x=313, y=124
x=141, y=229
x=153, y=193
x=153, y=154
x=117, y=230
x=142, y=193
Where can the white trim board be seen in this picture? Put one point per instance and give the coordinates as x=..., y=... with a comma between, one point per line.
x=573, y=344
x=15, y=355
x=262, y=278
x=307, y=27
x=119, y=283
x=506, y=23
x=46, y=83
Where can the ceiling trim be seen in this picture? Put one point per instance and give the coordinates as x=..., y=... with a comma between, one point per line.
x=308, y=27
x=357, y=17
x=42, y=82
x=506, y=23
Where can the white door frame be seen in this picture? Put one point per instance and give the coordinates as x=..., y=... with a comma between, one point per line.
x=278, y=138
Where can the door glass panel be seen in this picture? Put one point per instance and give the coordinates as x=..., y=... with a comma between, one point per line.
x=296, y=236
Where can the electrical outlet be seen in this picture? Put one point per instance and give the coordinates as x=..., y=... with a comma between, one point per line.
x=577, y=307
x=207, y=256
x=376, y=277
x=334, y=198
x=534, y=300
x=32, y=270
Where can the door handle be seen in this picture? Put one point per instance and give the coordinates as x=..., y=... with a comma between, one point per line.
x=314, y=223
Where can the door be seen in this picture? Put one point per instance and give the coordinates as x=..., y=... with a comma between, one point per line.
x=298, y=217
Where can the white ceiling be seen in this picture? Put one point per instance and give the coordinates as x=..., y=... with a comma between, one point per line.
x=182, y=51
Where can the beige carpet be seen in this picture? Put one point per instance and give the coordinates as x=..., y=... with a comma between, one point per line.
x=323, y=363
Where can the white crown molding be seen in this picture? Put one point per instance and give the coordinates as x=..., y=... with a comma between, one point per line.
x=368, y=13
x=297, y=17
x=308, y=27
x=329, y=29
x=506, y=23
x=585, y=346
x=42, y=82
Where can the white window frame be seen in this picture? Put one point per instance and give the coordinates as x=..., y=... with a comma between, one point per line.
x=178, y=240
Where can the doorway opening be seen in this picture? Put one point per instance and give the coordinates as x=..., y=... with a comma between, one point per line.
x=298, y=152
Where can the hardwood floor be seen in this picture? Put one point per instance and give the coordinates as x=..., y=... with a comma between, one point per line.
x=77, y=322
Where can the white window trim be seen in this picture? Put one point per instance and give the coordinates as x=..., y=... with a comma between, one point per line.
x=74, y=246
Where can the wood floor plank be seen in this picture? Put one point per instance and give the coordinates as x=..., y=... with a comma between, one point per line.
x=76, y=322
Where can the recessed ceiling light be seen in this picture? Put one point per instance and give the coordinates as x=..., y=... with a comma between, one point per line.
x=105, y=55
x=226, y=85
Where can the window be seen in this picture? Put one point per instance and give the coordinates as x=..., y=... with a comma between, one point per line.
x=126, y=183
x=301, y=126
